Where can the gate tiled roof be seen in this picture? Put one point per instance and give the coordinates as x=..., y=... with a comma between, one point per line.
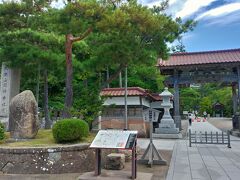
x=204, y=57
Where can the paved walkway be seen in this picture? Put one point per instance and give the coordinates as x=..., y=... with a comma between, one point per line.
x=203, y=127
x=199, y=162
x=206, y=162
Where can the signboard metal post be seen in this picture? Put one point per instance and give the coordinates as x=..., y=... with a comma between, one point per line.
x=134, y=161
x=98, y=162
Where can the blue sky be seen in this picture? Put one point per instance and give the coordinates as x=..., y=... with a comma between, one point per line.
x=218, y=22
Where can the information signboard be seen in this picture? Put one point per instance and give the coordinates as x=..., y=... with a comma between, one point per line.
x=151, y=113
x=114, y=139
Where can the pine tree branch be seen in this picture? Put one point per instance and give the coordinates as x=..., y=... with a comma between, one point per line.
x=114, y=76
x=85, y=34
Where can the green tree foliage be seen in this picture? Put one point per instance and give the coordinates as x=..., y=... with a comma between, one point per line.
x=2, y=132
x=206, y=105
x=189, y=99
x=203, y=98
x=124, y=33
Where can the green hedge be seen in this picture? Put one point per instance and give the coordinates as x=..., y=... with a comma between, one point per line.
x=2, y=131
x=69, y=130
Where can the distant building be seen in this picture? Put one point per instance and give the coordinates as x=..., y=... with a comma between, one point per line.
x=138, y=99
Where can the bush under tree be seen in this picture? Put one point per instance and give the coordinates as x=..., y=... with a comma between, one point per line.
x=2, y=131
x=69, y=130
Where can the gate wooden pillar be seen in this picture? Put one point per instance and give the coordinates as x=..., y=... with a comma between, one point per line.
x=177, y=117
x=234, y=98
x=238, y=73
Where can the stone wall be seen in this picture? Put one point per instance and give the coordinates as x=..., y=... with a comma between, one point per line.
x=53, y=160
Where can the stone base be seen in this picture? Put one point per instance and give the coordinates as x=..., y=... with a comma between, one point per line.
x=235, y=133
x=114, y=175
x=167, y=136
x=166, y=130
x=115, y=161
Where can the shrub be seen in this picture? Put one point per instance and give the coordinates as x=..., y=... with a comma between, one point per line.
x=2, y=131
x=69, y=130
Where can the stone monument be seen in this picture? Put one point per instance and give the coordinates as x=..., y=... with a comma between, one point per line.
x=9, y=87
x=167, y=127
x=23, y=117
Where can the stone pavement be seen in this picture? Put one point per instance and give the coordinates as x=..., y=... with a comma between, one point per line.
x=206, y=162
x=203, y=127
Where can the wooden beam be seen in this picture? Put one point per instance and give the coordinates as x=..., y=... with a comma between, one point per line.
x=238, y=75
x=234, y=98
x=189, y=79
x=177, y=117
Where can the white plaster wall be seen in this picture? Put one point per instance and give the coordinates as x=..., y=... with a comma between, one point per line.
x=145, y=102
x=132, y=100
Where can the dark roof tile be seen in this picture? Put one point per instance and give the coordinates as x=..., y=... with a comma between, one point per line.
x=205, y=57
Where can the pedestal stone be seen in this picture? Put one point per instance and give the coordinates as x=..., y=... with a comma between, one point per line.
x=115, y=161
x=167, y=126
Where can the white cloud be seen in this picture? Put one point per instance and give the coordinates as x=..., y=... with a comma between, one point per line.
x=233, y=18
x=220, y=11
x=192, y=6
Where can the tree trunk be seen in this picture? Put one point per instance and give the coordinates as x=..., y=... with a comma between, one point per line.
x=46, y=111
x=120, y=79
x=114, y=76
x=69, y=77
x=85, y=83
x=37, y=88
x=107, y=77
x=69, y=70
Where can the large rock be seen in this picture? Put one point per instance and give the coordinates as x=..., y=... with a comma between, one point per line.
x=23, y=118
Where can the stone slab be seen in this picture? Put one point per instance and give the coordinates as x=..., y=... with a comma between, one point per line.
x=163, y=130
x=115, y=161
x=114, y=175
x=167, y=136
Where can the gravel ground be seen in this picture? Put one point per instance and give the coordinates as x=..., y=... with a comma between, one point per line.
x=223, y=124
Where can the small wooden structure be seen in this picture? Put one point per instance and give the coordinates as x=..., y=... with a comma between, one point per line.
x=183, y=69
x=218, y=109
x=138, y=99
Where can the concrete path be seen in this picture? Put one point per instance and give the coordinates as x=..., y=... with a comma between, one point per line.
x=203, y=127
x=213, y=162
x=160, y=144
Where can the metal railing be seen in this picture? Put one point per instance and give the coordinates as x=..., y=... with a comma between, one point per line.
x=209, y=138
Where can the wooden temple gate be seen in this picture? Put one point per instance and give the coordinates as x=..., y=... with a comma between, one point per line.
x=183, y=69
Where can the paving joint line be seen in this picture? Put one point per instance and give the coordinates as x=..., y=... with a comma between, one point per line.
x=204, y=162
x=174, y=163
x=230, y=159
x=188, y=159
x=219, y=163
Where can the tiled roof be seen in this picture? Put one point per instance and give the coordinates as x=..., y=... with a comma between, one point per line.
x=131, y=91
x=197, y=58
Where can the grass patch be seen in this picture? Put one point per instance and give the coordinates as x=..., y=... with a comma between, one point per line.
x=44, y=138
